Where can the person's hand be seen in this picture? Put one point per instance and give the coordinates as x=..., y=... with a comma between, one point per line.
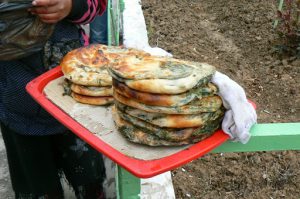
x=51, y=11
x=240, y=115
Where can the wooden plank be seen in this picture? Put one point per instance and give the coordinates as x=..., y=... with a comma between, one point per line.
x=128, y=186
x=267, y=137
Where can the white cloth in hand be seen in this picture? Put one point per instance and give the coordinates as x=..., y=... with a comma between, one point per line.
x=156, y=51
x=134, y=29
x=240, y=114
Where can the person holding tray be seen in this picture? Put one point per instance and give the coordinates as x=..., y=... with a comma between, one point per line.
x=39, y=148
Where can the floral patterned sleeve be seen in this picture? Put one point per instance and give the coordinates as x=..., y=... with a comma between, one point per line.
x=84, y=11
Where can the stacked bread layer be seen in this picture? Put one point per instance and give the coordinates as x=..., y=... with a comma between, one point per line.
x=86, y=71
x=158, y=101
x=164, y=101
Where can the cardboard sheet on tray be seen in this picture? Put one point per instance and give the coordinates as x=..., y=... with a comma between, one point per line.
x=98, y=120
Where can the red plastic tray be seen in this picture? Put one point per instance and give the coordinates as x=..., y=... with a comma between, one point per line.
x=139, y=168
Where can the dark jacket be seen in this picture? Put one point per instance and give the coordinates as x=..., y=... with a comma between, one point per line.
x=17, y=109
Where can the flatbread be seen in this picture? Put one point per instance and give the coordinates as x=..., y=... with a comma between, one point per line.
x=117, y=53
x=88, y=65
x=172, y=134
x=164, y=99
x=169, y=120
x=91, y=90
x=200, y=75
x=139, y=136
x=151, y=67
x=92, y=100
x=206, y=104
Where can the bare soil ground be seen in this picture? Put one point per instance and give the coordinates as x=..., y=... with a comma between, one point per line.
x=236, y=37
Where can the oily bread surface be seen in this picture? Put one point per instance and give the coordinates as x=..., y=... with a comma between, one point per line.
x=171, y=120
x=206, y=104
x=139, y=136
x=91, y=90
x=152, y=67
x=165, y=99
x=92, y=100
x=200, y=75
x=88, y=65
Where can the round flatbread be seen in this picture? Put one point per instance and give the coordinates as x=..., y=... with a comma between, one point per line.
x=88, y=65
x=91, y=90
x=117, y=53
x=172, y=134
x=92, y=100
x=161, y=82
x=152, y=67
x=164, y=99
x=170, y=120
x=139, y=136
x=206, y=104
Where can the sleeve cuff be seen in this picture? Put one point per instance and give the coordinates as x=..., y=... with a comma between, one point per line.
x=79, y=7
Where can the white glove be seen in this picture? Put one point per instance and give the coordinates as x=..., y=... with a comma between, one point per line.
x=240, y=114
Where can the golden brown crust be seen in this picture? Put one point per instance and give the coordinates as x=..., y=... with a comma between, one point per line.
x=206, y=104
x=92, y=100
x=200, y=76
x=84, y=56
x=117, y=53
x=171, y=120
x=164, y=99
x=152, y=67
x=88, y=65
x=91, y=90
x=137, y=135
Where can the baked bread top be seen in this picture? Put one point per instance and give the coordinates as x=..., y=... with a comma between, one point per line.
x=88, y=65
x=163, y=77
x=165, y=99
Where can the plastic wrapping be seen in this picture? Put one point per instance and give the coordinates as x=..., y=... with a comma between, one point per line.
x=21, y=33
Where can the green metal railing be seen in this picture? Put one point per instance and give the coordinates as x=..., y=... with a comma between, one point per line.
x=265, y=137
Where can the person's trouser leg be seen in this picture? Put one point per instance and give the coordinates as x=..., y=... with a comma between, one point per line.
x=82, y=165
x=31, y=165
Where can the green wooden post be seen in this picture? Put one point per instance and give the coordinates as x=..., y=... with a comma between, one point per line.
x=128, y=186
x=114, y=10
x=109, y=31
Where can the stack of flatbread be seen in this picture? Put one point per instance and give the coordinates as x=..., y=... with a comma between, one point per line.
x=85, y=69
x=88, y=79
x=164, y=101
